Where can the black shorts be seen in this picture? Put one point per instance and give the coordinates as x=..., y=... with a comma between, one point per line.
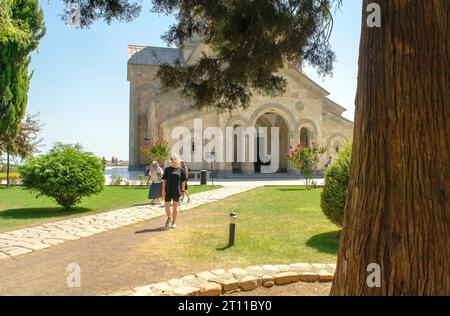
x=172, y=197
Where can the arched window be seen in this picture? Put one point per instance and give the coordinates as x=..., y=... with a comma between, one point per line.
x=305, y=137
x=337, y=146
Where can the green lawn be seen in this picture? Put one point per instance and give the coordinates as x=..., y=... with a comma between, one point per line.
x=274, y=225
x=20, y=208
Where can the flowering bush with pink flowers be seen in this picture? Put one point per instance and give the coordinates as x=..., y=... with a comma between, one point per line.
x=306, y=160
x=158, y=151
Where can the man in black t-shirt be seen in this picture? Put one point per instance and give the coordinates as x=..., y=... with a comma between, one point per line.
x=173, y=186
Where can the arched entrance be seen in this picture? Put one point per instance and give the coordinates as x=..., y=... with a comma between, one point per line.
x=269, y=120
x=305, y=137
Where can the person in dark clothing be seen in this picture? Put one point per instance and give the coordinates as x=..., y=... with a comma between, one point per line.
x=154, y=177
x=329, y=162
x=173, y=186
x=186, y=174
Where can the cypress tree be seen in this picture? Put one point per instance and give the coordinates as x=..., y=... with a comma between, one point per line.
x=21, y=29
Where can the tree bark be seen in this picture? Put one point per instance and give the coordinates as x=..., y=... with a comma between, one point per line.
x=398, y=206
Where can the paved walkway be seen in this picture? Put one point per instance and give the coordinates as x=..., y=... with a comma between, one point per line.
x=24, y=241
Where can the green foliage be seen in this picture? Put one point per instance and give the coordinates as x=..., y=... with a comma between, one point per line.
x=159, y=152
x=21, y=29
x=250, y=42
x=141, y=180
x=66, y=174
x=306, y=160
x=334, y=194
x=26, y=142
x=116, y=180
x=108, y=10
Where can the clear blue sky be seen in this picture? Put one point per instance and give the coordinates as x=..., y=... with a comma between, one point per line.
x=80, y=85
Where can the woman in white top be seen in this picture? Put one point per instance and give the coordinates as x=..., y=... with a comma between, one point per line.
x=155, y=175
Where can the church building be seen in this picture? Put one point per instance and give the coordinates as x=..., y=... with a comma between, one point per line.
x=304, y=114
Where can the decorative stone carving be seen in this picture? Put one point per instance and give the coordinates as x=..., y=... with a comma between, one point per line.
x=299, y=106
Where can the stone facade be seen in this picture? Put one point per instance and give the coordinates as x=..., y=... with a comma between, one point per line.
x=303, y=114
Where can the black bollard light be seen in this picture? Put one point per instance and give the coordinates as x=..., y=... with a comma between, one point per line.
x=233, y=216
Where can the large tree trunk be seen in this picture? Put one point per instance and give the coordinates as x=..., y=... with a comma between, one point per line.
x=398, y=206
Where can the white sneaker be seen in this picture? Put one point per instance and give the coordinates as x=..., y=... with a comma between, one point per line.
x=167, y=222
x=174, y=225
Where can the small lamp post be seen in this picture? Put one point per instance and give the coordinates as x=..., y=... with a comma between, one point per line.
x=233, y=217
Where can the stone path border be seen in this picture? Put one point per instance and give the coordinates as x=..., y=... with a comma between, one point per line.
x=221, y=281
x=19, y=242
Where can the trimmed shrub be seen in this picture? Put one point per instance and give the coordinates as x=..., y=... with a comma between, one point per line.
x=116, y=180
x=66, y=174
x=334, y=194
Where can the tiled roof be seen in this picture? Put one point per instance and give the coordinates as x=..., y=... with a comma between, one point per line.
x=142, y=55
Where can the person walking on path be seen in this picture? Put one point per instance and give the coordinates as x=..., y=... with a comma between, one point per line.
x=173, y=186
x=155, y=176
x=329, y=162
x=186, y=174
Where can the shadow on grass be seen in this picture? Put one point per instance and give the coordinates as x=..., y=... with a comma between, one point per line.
x=123, y=187
x=152, y=230
x=223, y=248
x=292, y=189
x=326, y=242
x=40, y=212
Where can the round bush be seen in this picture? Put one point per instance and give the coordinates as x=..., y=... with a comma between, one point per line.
x=334, y=194
x=66, y=174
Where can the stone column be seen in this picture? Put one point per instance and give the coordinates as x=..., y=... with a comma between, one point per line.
x=134, y=128
x=151, y=123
